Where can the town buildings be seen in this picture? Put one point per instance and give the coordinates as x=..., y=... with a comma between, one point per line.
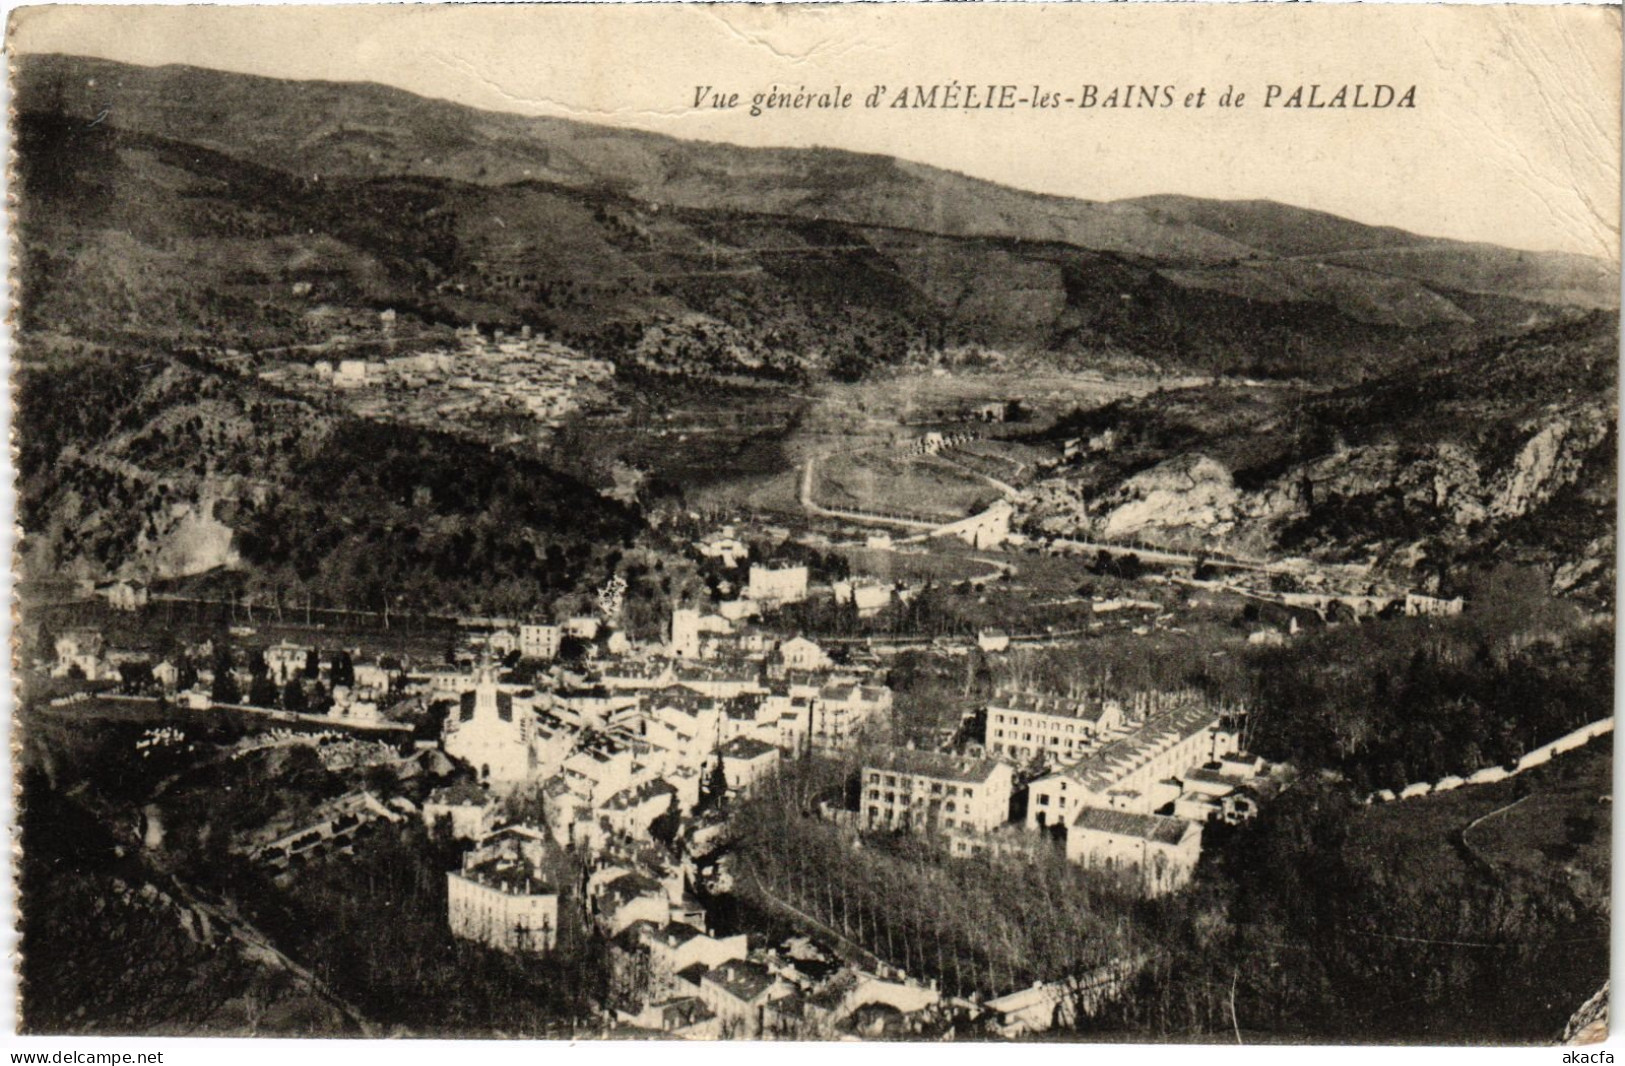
x=1136, y=772
x=539, y=640
x=501, y=901
x=1157, y=851
x=491, y=731
x=926, y=791
x=469, y=810
x=799, y=653
x=738, y=992
x=1025, y=727
x=746, y=762
x=777, y=586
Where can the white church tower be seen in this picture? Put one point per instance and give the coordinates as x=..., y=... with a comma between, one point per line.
x=491, y=732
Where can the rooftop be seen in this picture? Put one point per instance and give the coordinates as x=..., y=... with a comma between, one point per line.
x=683, y=1011
x=468, y=701
x=675, y=934
x=745, y=981
x=638, y=795
x=746, y=748
x=1155, y=828
x=629, y=887
x=935, y=764
x=694, y=973
x=1054, y=706
x=516, y=877
x=1106, y=766
x=463, y=793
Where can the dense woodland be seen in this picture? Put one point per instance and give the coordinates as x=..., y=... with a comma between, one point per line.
x=323, y=506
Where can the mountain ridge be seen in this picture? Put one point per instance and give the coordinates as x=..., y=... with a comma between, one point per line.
x=366, y=129
x=291, y=205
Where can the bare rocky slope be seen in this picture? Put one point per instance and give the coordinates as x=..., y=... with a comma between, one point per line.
x=1506, y=452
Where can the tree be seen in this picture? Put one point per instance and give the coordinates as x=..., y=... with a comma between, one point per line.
x=715, y=790
x=382, y=781
x=343, y=673
x=135, y=678
x=262, y=691
x=664, y=828
x=225, y=688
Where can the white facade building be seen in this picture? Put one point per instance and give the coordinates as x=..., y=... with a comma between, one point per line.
x=784, y=585
x=930, y=790
x=539, y=640
x=501, y=902
x=1160, y=852
x=1023, y=727
x=470, y=809
x=1138, y=772
x=491, y=731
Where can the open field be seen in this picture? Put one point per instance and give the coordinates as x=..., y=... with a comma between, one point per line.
x=1005, y=460
x=895, y=484
x=1556, y=817
x=922, y=398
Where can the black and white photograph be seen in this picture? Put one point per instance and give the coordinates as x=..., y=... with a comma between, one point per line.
x=1000, y=523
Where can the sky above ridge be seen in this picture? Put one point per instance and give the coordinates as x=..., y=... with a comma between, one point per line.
x=1514, y=139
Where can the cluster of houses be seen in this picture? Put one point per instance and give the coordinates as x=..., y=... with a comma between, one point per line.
x=673, y=975
x=1130, y=787
x=614, y=750
x=500, y=373
x=340, y=687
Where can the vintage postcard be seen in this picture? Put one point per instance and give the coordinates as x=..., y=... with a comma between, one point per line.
x=887, y=522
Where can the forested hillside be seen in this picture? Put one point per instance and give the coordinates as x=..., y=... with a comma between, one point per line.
x=149, y=464
x=240, y=219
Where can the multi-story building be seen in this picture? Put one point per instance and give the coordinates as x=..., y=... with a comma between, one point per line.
x=1138, y=772
x=675, y=947
x=746, y=762
x=931, y=790
x=469, y=809
x=693, y=633
x=1023, y=727
x=582, y=627
x=1160, y=852
x=502, y=902
x=777, y=586
x=799, y=653
x=491, y=731
x=841, y=710
x=539, y=640
x=600, y=766
x=631, y=811
x=738, y=993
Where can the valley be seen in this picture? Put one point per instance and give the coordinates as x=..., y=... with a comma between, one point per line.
x=491, y=575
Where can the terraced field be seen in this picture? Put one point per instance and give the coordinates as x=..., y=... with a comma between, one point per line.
x=915, y=486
